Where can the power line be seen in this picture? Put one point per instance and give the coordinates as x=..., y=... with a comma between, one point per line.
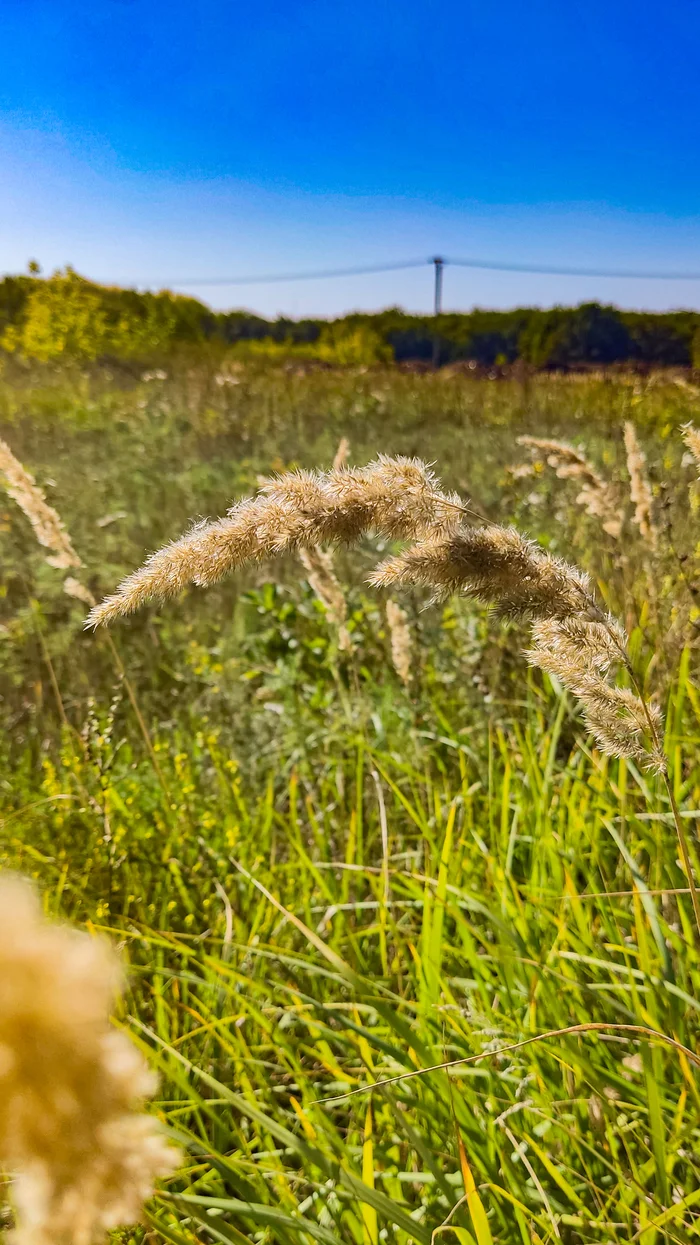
x=487, y=264
x=497, y=266
x=320, y=274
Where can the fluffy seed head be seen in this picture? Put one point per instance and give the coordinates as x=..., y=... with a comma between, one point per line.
x=580, y=653
x=401, y=498
x=84, y=1156
x=73, y=588
x=497, y=565
x=397, y=497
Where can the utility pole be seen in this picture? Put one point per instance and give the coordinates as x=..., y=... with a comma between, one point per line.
x=439, y=264
x=438, y=283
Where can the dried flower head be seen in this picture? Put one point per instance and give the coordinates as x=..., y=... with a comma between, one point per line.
x=84, y=1156
x=401, y=645
x=596, y=496
x=397, y=497
x=47, y=525
x=640, y=489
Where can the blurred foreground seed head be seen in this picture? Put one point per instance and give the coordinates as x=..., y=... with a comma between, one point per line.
x=83, y=1155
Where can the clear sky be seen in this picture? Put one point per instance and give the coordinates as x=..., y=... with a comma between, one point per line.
x=143, y=141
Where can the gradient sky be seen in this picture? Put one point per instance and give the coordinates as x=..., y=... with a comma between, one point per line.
x=146, y=141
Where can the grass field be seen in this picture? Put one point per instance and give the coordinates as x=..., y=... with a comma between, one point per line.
x=324, y=878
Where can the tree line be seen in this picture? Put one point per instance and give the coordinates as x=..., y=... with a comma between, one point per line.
x=66, y=316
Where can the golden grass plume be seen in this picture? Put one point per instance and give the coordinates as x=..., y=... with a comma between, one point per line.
x=318, y=563
x=573, y=640
x=397, y=497
x=581, y=654
x=497, y=565
x=83, y=1154
x=401, y=498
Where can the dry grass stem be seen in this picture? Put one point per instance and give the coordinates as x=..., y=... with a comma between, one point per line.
x=47, y=525
x=341, y=454
x=640, y=489
x=401, y=644
x=597, y=496
x=83, y=1154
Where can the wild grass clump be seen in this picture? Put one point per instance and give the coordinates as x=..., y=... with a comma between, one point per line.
x=574, y=639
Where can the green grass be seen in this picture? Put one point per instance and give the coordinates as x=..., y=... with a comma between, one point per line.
x=323, y=881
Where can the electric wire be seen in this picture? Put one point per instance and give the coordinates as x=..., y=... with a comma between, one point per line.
x=320, y=274
x=625, y=273
x=323, y=274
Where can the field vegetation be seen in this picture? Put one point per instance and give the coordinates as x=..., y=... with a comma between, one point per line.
x=342, y=835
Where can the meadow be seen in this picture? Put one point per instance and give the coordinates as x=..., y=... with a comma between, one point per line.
x=336, y=858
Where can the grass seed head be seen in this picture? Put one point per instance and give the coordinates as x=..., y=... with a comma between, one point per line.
x=581, y=653
x=318, y=563
x=498, y=566
x=640, y=489
x=46, y=523
x=401, y=643
x=691, y=436
x=397, y=497
x=401, y=498
x=596, y=496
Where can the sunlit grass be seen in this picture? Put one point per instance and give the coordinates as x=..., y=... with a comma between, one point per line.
x=323, y=880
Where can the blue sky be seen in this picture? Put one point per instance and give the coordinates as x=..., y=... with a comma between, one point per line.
x=144, y=141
